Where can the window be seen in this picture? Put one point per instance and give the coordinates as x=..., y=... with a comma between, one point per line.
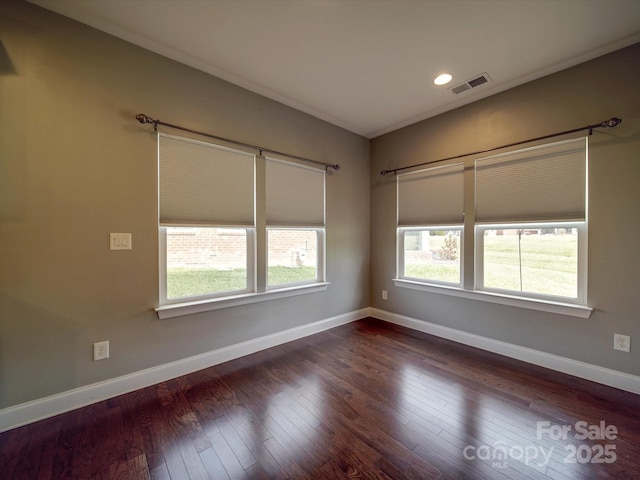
x=293, y=256
x=527, y=210
x=537, y=259
x=206, y=219
x=206, y=261
x=234, y=225
x=430, y=218
x=530, y=214
x=295, y=211
x=431, y=254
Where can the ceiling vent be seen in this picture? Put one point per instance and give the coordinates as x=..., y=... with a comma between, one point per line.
x=469, y=84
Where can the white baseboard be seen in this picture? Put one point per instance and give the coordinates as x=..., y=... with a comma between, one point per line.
x=40, y=409
x=595, y=373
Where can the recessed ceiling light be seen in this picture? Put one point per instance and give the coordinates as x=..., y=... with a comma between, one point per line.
x=442, y=79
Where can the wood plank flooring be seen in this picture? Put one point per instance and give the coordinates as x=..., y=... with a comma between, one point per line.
x=365, y=400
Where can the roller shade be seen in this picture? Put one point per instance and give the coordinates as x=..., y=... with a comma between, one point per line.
x=547, y=182
x=434, y=196
x=295, y=194
x=204, y=184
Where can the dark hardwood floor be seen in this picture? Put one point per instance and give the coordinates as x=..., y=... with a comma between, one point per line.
x=365, y=400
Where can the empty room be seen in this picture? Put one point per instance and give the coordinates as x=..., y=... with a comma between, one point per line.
x=319, y=239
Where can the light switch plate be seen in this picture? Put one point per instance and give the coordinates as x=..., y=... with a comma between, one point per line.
x=120, y=241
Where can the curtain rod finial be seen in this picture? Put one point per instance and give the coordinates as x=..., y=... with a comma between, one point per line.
x=142, y=118
x=612, y=122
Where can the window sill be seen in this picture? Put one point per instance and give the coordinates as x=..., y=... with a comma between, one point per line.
x=570, y=309
x=188, y=308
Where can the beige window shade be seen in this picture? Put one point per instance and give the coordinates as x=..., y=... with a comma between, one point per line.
x=295, y=194
x=434, y=196
x=547, y=182
x=204, y=184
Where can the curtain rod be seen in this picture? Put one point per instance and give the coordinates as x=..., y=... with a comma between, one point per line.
x=612, y=122
x=142, y=118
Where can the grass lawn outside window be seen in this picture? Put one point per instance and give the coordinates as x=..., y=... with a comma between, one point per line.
x=188, y=282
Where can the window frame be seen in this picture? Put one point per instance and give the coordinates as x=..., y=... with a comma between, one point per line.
x=257, y=257
x=471, y=267
x=250, y=267
x=320, y=257
x=400, y=260
x=581, y=274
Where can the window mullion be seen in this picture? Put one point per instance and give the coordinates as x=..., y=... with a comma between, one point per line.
x=400, y=253
x=260, y=257
x=583, y=273
x=322, y=257
x=468, y=264
x=162, y=234
x=478, y=237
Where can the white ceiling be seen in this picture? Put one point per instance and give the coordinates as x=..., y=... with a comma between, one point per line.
x=367, y=65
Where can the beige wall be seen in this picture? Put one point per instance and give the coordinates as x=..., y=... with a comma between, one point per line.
x=588, y=93
x=75, y=165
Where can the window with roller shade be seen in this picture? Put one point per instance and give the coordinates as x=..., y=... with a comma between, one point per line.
x=206, y=219
x=525, y=228
x=530, y=217
x=295, y=223
x=235, y=226
x=430, y=225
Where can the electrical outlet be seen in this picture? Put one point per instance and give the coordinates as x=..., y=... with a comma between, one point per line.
x=622, y=342
x=384, y=294
x=100, y=350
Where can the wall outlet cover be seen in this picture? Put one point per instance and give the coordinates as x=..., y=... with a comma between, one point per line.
x=622, y=342
x=100, y=350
